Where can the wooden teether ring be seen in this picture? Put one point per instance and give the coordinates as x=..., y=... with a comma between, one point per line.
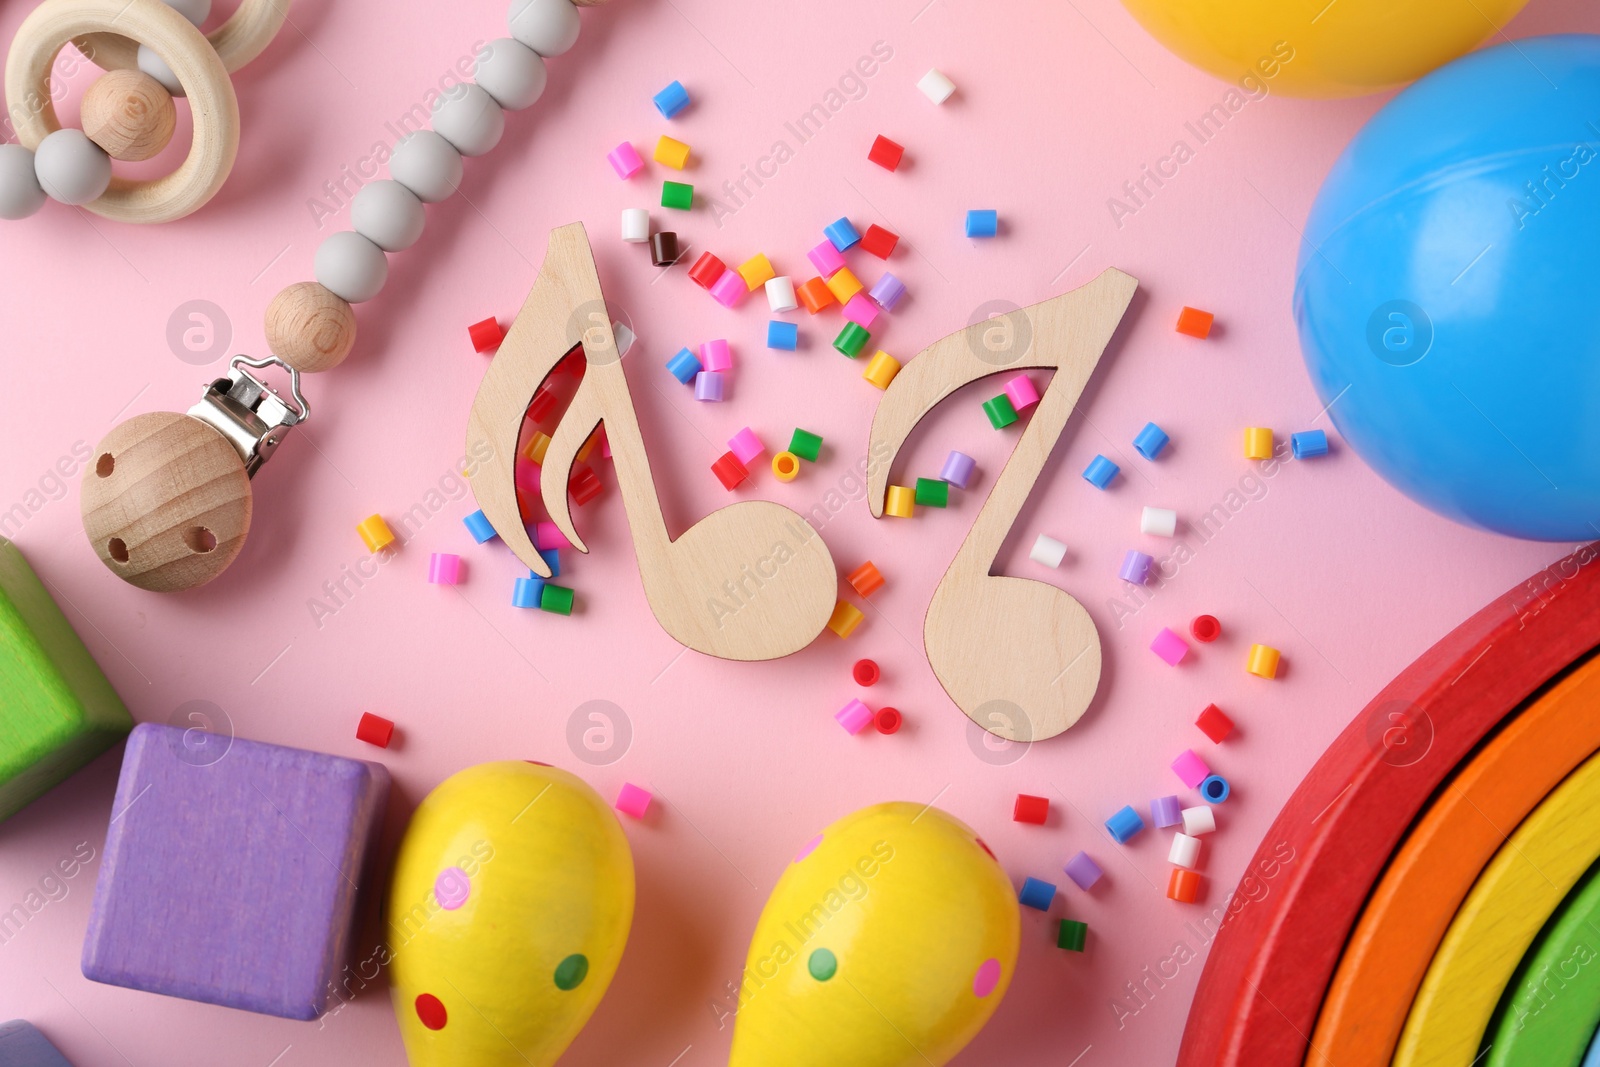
x=245, y=34
x=191, y=57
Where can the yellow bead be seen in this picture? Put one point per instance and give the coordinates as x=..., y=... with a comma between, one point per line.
x=536, y=447
x=375, y=532
x=1263, y=661
x=672, y=153
x=1258, y=443
x=785, y=465
x=846, y=617
x=588, y=447
x=757, y=271
x=882, y=369
x=843, y=285
x=902, y=502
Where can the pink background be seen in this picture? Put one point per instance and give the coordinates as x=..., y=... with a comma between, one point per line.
x=1057, y=106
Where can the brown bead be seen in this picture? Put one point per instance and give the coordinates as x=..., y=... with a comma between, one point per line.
x=128, y=114
x=663, y=248
x=309, y=328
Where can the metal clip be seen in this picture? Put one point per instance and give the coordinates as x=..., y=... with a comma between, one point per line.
x=249, y=412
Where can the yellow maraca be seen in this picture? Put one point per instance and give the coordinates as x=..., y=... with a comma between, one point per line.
x=888, y=942
x=507, y=916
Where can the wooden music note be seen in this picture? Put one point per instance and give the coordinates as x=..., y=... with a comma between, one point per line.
x=1020, y=657
x=751, y=581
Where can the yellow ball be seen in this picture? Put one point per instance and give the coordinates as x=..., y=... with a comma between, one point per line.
x=1321, y=47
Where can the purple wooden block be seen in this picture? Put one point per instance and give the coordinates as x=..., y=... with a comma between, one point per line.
x=23, y=1046
x=230, y=871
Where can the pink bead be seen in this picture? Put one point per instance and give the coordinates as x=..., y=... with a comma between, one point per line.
x=1021, y=391
x=854, y=717
x=861, y=310
x=826, y=259
x=528, y=476
x=1170, y=647
x=444, y=568
x=633, y=800
x=715, y=355
x=729, y=289
x=547, y=535
x=605, y=444
x=1190, y=769
x=746, y=445
x=624, y=159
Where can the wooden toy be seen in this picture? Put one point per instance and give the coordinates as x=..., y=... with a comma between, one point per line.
x=57, y=710
x=508, y=913
x=752, y=581
x=127, y=114
x=231, y=870
x=1428, y=877
x=1266, y=973
x=22, y=1045
x=1020, y=657
x=888, y=942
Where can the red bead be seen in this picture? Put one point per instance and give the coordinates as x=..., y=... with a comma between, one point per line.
x=574, y=364
x=887, y=720
x=584, y=485
x=1205, y=628
x=1183, y=886
x=879, y=241
x=865, y=672
x=706, y=270
x=1031, y=809
x=885, y=153
x=1214, y=724
x=485, y=335
x=525, y=507
x=374, y=729
x=729, y=471
x=543, y=404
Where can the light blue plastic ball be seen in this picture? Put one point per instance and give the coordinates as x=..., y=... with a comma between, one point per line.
x=1448, y=290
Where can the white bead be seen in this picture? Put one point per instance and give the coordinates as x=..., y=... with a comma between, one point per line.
x=20, y=192
x=511, y=72
x=157, y=68
x=780, y=294
x=387, y=214
x=1162, y=522
x=351, y=267
x=71, y=168
x=1197, y=821
x=196, y=11
x=1185, y=851
x=426, y=164
x=549, y=27
x=469, y=119
x=635, y=224
x=624, y=338
x=1048, y=550
x=936, y=86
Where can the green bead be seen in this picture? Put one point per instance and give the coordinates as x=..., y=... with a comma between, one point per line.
x=1001, y=413
x=1072, y=935
x=571, y=971
x=557, y=599
x=852, y=339
x=805, y=444
x=823, y=965
x=677, y=195
x=932, y=492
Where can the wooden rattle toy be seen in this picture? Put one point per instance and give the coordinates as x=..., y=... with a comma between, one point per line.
x=151, y=52
x=507, y=916
x=888, y=942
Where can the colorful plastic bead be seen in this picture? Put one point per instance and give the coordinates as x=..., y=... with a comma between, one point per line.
x=677, y=195
x=842, y=233
x=932, y=493
x=881, y=369
x=706, y=270
x=805, y=444
x=624, y=159
x=983, y=223
x=888, y=720
x=1198, y=821
x=845, y=618
x=1151, y=440
x=1215, y=724
x=552, y=559
x=1030, y=809
x=885, y=153
x=1022, y=392
x=844, y=284
x=548, y=535
x=958, y=468
x=1048, y=551
x=887, y=291
x=1165, y=812
x=479, y=526
x=716, y=355
x=1100, y=471
x=1194, y=322
x=1183, y=886
x=708, y=385
x=1001, y=413
x=684, y=366
x=1185, y=851
x=671, y=152
x=746, y=445
x=487, y=334
x=865, y=579
x=1036, y=894
x=729, y=289
x=826, y=259
x=900, y=501
x=444, y=568
x=1135, y=567
x=865, y=672
x=375, y=532
x=671, y=100
x=780, y=294
x=543, y=404
x=1257, y=443
x=860, y=310
x=729, y=470
x=757, y=271
x=1190, y=768
x=879, y=242
x=785, y=466
x=538, y=444
x=815, y=295
x=632, y=800
x=1158, y=522
x=1124, y=825
x=556, y=599
x=1205, y=628
x=527, y=478
x=374, y=730
x=1263, y=661
x=583, y=485
x=663, y=251
x=525, y=592
x=1072, y=935
x=1306, y=444
x=1170, y=647
x=1083, y=871
x=935, y=86
x=635, y=225
x=852, y=339
x=1215, y=789
x=784, y=336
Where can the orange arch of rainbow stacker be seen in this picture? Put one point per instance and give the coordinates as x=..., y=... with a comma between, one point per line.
x=1355, y=806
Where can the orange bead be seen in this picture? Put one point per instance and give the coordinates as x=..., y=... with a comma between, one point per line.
x=846, y=617
x=1183, y=886
x=865, y=579
x=815, y=295
x=1194, y=322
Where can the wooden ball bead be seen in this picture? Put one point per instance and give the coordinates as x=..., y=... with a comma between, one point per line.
x=128, y=114
x=310, y=328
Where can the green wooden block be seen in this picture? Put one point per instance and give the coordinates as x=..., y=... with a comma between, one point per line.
x=57, y=710
x=1072, y=935
x=932, y=492
x=677, y=195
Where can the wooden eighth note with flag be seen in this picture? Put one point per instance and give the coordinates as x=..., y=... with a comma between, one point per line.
x=784, y=576
x=1020, y=657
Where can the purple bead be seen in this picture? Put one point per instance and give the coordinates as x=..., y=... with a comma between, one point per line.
x=1083, y=871
x=887, y=291
x=708, y=385
x=1135, y=567
x=958, y=467
x=1166, y=811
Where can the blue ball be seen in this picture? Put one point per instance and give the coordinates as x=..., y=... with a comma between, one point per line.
x=1448, y=290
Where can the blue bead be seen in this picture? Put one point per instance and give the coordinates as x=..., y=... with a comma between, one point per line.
x=1308, y=444
x=684, y=366
x=1100, y=471
x=1215, y=789
x=1036, y=894
x=526, y=592
x=479, y=526
x=784, y=335
x=671, y=100
x=1124, y=824
x=842, y=233
x=1151, y=440
x=22, y=1045
x=552, y=559
x=983, y=223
